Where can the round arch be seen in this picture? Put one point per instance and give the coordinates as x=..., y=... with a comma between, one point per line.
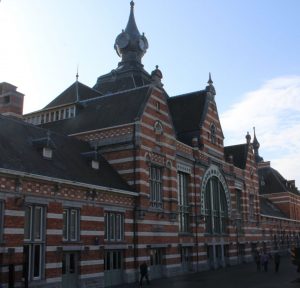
x=214, y=171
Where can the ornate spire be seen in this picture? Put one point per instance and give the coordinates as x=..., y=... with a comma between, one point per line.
x=210, y=87
x=210, y=82
x=131, y=27
x=130, y=45
x=256, y=146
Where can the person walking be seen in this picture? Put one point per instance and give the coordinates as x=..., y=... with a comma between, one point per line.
x=144, y=273
x=276, y=261
x=257, y=261
x=265, y=261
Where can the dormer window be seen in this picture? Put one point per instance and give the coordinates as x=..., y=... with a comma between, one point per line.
x=95, y=164
x=47, y=153
x=213, y=133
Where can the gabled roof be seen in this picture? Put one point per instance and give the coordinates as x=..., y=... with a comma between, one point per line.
x=270, y=209
x=70, y=95
x=18, y=152
x=105, y=111
x=239, y=153
x=187, y=113
x=271, y=181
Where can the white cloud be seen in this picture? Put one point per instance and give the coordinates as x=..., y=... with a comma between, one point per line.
x=274, y=109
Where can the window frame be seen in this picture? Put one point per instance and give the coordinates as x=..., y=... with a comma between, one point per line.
x=156, y=186
x=70, y=229
x=32, y=241
x=183, y=202
x=216, y=208
x=114, y=226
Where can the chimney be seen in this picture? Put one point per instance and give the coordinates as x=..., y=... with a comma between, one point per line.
x=11, y=101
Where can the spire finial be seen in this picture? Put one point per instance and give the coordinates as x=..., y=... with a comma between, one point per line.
x=210, y=82
x=77, y=74
x=131, y=4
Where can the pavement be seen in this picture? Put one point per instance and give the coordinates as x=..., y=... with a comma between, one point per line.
x=238, y=276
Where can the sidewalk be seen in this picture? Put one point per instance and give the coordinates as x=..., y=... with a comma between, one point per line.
x=239, y=276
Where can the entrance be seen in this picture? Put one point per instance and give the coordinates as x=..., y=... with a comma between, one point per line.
x=156, y=263
x=113, y=267
x=185, y=253
x=70, y=270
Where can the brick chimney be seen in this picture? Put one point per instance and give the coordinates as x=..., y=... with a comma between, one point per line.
x=11, y=101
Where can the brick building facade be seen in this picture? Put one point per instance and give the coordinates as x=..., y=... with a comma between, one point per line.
x=105, y=178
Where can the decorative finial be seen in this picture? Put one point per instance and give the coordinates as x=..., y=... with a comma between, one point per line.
x=210, y=82
x=77, y=74
x=248, y=138
x=131, y=4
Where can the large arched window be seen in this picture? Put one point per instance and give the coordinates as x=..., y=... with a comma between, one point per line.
x=216, y=210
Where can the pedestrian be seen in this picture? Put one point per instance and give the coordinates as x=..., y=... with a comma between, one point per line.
x=276, y=261
x=144, y=273
x=265, y=261
x=257, y=261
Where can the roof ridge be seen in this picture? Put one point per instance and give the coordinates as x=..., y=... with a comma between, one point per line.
x=186, y=94
x=115, y=93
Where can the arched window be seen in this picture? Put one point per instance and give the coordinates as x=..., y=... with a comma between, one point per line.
x=216, y=210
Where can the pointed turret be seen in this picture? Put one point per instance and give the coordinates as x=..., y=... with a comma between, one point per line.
x=256, y=145
x=130, y=45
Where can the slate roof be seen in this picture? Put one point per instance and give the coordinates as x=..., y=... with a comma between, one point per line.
x=187, y=113
x=271, y=181
x=239, y=153
x=122, y=79
x=70, y=95
x=105, y=111
x=268, y=208
x=18, y=152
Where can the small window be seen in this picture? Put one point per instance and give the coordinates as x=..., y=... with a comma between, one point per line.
x=56, y=115
x=157, y=106
x=62, y=114
x=6, y=99
x=213, y=133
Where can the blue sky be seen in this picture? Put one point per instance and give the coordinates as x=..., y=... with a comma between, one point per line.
x=251, y=47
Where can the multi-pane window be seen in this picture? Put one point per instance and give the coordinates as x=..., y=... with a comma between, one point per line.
x=71, y=224
x=216, y=210
x=113, y=260
x=34, y=242
x=155, y=186
x=183, y=201
x=114, y=226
